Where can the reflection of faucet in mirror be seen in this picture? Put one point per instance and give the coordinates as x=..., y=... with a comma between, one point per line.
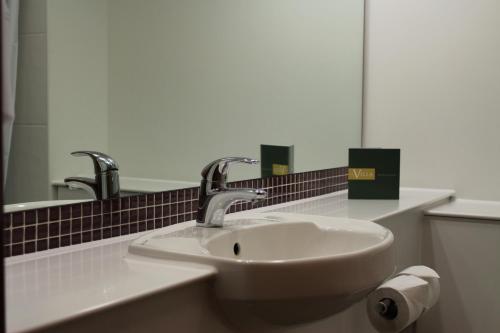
x=106, y=184
x=215, y=198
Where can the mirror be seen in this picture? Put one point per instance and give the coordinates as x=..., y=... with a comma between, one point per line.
x=166, y=86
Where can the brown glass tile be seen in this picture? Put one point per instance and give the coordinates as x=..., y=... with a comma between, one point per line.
x=158, y=199
x=17, y=249
x=42, y=230
x=86, y=223
x=165, y=221
x=54, y=229
x=29, y=247
x=181, y=208
x=6, y=237
x=115, y=205
x=97, y=222
x=96, y=208
x=158, y=211
x=141, y=226
x=86, y=237
x=106, y=233
x=173, y=196
x=165, y=197
x=76, y=226
x=150, y=213
x=165, y=210
x=134, y=202
x=185, y=217
x=30, y=233
x=125, y=218
x=142, y=201
x=54, y=213
x=150, y=224
x=181, y=195
x=76, y=210
x=17, y=235
x=30, y=217
x=17, y=219
x=7, y=220
x=125, y=203
x=284, y=188
x=41, y=245
x=142, y=214
x=65, y=241
x=115, y=218
x=86, y=208
x=65, y=227
x=115, y=231
x=187, y=207
x=76, y=239
x=53, y=242
x=150, y=199
x=65, y=212
x=106, y=206
x=96, y=235
x=134, y=215
x=6, y=251
x=106, y=220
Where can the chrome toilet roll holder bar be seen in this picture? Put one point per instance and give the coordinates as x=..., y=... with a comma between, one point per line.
x=387, y=308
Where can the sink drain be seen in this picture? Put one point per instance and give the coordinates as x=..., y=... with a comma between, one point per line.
x=236, y=249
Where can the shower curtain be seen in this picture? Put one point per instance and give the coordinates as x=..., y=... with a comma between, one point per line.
x=10, y=17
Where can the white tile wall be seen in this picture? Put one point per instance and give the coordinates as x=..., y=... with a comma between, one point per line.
x=28, y=168
x=32, y=16
x=27, y=177
x=31, y=96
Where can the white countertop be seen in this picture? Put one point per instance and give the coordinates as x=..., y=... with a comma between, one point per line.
x=477, y=209
x=56, y=285
x=142, y=185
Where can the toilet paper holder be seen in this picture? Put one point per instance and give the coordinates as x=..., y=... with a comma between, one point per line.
x=387, y=308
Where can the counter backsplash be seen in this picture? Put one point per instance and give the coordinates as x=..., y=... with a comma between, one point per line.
x=47, y=228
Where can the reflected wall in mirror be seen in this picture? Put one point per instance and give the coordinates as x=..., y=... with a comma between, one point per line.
x=166, y=86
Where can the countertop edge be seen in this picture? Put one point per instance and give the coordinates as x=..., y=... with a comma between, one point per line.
x=468, y=209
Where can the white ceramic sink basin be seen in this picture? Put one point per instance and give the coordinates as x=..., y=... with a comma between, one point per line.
x=282, y=268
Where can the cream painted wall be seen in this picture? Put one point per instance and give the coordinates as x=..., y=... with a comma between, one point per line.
x=465, y=253
x=192, y=81
x=432, y=88
x=77, y=83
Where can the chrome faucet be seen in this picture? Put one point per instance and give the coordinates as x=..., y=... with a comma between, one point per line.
x=215, y=198
x=106, y=184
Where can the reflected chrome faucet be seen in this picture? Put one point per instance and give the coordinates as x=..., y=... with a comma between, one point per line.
x=106, y=184
x=215, y=198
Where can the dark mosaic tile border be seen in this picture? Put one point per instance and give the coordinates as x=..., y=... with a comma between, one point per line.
x=48, y=228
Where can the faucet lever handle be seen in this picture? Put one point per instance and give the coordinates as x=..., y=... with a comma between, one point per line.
x=216, y=171
x=102, y=162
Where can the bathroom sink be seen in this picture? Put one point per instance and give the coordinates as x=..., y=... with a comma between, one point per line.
x=282, y=268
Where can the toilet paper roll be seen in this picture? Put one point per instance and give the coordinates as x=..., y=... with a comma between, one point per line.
x=429, y=275
x=408, y=295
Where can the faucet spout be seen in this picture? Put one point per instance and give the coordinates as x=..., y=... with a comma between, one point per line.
x=215, y=198
x=106, y=183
